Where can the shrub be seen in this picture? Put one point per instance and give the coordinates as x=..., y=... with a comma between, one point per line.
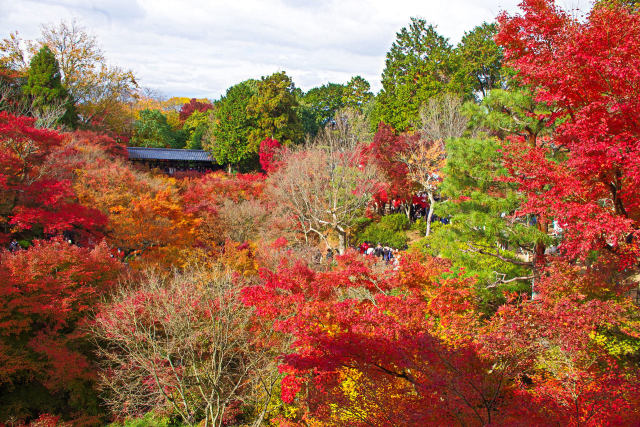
x=420, y=225
x=379, y=233
x=388, y=232
x=395, y=222
x=149, y=420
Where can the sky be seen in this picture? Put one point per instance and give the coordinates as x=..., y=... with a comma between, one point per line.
x=200, y=48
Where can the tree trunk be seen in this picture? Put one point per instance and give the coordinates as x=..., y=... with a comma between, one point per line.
x=534, y=293
x=543, y=226
x=432, y=202
x=342, y=241
x=539, y=257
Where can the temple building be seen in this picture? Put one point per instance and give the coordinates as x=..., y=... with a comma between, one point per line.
x=172, y=160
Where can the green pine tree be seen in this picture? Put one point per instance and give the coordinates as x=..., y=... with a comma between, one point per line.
x=484, y=238
x=44, y=87
x=418, y=66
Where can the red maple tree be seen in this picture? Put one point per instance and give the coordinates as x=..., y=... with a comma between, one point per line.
x=386, y=151
x=34, y=202
x=587, y=175
x=46, y=293
x=192, y=106
x=391, y=349
x=269, y=147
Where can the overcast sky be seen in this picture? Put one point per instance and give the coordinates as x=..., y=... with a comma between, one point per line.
x=200, y=48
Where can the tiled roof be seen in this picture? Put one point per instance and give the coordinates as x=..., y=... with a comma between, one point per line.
x=147, y=153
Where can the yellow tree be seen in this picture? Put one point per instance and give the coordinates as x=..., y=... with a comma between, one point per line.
x=97, y=88
x=150, y=99
x=425, y=160
x=13, y=53
x=171, y=109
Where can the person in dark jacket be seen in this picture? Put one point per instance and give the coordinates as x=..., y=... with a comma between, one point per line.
x=14, y=245
x=378, y=251
x=329, y=254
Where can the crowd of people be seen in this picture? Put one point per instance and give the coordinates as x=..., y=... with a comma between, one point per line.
x=418, y=208
x=385, y=253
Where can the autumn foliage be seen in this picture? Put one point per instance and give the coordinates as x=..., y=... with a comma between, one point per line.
x=386, y=151
x=212, y=298
x=192, y=106
x=268, y=150
x=46, y=295
x=588, y=72
x=359, y=336
x=414, y=337
x=576, y=336
x=33, y=201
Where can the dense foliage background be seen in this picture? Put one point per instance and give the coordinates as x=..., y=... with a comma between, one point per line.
x=504, y=170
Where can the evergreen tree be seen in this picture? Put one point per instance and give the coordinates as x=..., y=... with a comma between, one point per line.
x=510, y=112
x=357, y=93
x=478, y=61
x=319, y=105
x=484, y=237
x=418, y=66
x=228, y=138
x=44, y=87
x=274, y=108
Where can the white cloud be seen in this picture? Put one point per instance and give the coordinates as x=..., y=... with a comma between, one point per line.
x=201, y=47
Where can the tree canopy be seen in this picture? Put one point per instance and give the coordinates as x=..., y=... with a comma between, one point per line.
x=229, y=136
x=152, y=130
x=273, y=107
x=474, y=261
x=44, y=87
x=478, y=61
x=418, y=66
